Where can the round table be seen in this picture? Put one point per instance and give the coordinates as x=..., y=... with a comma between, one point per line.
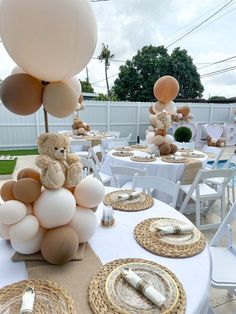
x=118, y=242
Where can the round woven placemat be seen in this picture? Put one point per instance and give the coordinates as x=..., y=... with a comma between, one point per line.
x=151, y=242
x=175, y=160
x=137, y=146
x=50, y=298
x=143, y=201
x=193, y=155
x=143, y=159
x=124, y=149
x=122, y=154
x=185, y=149
x=98, y=301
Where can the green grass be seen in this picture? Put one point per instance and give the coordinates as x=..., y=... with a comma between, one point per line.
x=20, y=152
x=7, y=166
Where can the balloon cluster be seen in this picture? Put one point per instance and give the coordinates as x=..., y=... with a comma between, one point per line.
x=53, y=221
x=165, y=90
x=182, y=115
x=53, y=42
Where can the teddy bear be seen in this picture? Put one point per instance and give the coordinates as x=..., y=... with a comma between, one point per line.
x=159, y=137
x=217, y=143
x=58, y=167
x=79, y=127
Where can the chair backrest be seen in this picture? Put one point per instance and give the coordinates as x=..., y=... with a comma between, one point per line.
x=231, y=162
x=215, y=152
x=116, y=134
x=149, y=183
x=119, y=172
x=98, y=155
x=79, y=145
x=129, y=137
x=143, y=142
x=90, y=166
x=190, y=145
x=118, y=142
x=224, y=227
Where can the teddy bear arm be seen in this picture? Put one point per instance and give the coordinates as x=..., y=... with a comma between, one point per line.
x=72, y=159
x=43, y=161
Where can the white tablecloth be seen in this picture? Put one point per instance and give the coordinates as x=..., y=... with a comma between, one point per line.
x=104, y=142
x=118, y=242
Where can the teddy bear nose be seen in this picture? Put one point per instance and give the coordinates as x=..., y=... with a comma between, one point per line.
x=62, y=150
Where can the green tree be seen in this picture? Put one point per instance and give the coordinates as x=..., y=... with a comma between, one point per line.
x=182, y=68
x=137, y=77
x=106, y=56
x=216, y=98
x=86, y=87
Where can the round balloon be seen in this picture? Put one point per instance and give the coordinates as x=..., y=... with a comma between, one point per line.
x=27, y=190
x=29, y=173
x=16, y=70
x=25, y=229
x=21, y=93
x=74, y=82
x=168, y=107
x=59, y=99
x=59, y=245
x=54, y=40
x=6, y=191
x=166, y=88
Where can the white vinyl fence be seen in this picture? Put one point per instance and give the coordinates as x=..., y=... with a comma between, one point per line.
x=126, y=117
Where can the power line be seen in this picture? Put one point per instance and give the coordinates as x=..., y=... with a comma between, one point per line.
x=104, y=79
x=217, y=62
x=218, y=72
x=196, y=27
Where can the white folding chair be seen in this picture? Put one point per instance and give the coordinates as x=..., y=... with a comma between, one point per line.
x=214, y=154
x=95, y=151
x=230, y=164
x=200, y=192
x=224, y=258
x=122, y=173
x=90, y=167
x=118, y=142
x=150, y=183
x=80, y=147
x=190, y=145
x=129, y=137
x=116, y=134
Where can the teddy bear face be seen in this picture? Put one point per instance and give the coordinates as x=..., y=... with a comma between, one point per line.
x=163, y=120
x=55, y=146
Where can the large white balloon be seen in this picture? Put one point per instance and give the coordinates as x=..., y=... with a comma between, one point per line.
x=75, y=84
x=51, y=40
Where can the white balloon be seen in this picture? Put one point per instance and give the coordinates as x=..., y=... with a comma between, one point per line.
x=84, y=223
x=169, y=139
x=75, y=84
x=30, y=246
x=169, y=107
x=17, y=70
x=12, y=211
x=89, y=192
x=4, y=231
x=149, y=137
x=51, y=40
x=25, y=229
x=54, y=208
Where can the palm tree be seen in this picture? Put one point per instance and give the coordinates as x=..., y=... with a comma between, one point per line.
x=105, y=56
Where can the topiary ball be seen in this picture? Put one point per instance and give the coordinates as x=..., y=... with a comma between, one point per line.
x=183, y=134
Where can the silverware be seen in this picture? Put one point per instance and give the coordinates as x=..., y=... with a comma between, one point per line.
x=28, y=297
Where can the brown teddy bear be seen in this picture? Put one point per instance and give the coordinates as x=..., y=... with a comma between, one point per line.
x=79, y=127
x=58, y=167
x=219, y=143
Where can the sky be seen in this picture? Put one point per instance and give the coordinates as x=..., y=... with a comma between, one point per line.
x=128, y=25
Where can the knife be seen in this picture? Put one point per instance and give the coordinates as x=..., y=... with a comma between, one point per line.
x=27, y=300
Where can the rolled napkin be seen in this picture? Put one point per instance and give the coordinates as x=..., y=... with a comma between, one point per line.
x=176, y=229
x=27, y=301
x=142, y=286
x=127, y=196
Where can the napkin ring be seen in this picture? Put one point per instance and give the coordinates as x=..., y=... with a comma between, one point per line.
x=142, y=286
x=176, y=230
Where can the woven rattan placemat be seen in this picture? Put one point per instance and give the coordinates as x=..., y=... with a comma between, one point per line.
x=143, y=159
x=193, y=155
x=175, y=159
x=98, y=301
x=152, y=242
x=138, y=146
x=49, y=298
x=143, y=201
x=122, y=154
x=124, y=149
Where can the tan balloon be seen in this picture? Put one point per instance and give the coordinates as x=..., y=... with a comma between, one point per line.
x=59, y=245
x=21, y=93
x=29, y=173
x=59, y=99
x=27, y=190
x=6, y=191
x=166, y=88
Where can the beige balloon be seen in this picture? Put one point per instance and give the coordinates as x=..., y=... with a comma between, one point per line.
x=59, y=99
x=166, y=89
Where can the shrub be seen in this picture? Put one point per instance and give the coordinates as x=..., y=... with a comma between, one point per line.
x=183, y=134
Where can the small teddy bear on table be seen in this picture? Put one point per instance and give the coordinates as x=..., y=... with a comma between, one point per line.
x=79, y=127
x=58, y=167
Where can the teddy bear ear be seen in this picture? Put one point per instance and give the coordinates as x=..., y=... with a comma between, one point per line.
x=42, y=138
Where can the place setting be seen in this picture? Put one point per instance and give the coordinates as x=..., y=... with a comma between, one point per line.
x=139, y=146
x=175, y=159
x=123, y=153
x=169, y=237
x=123, y=149
x=193, y=154
x=128, y=200
x=136, y=286
x=143, y=157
